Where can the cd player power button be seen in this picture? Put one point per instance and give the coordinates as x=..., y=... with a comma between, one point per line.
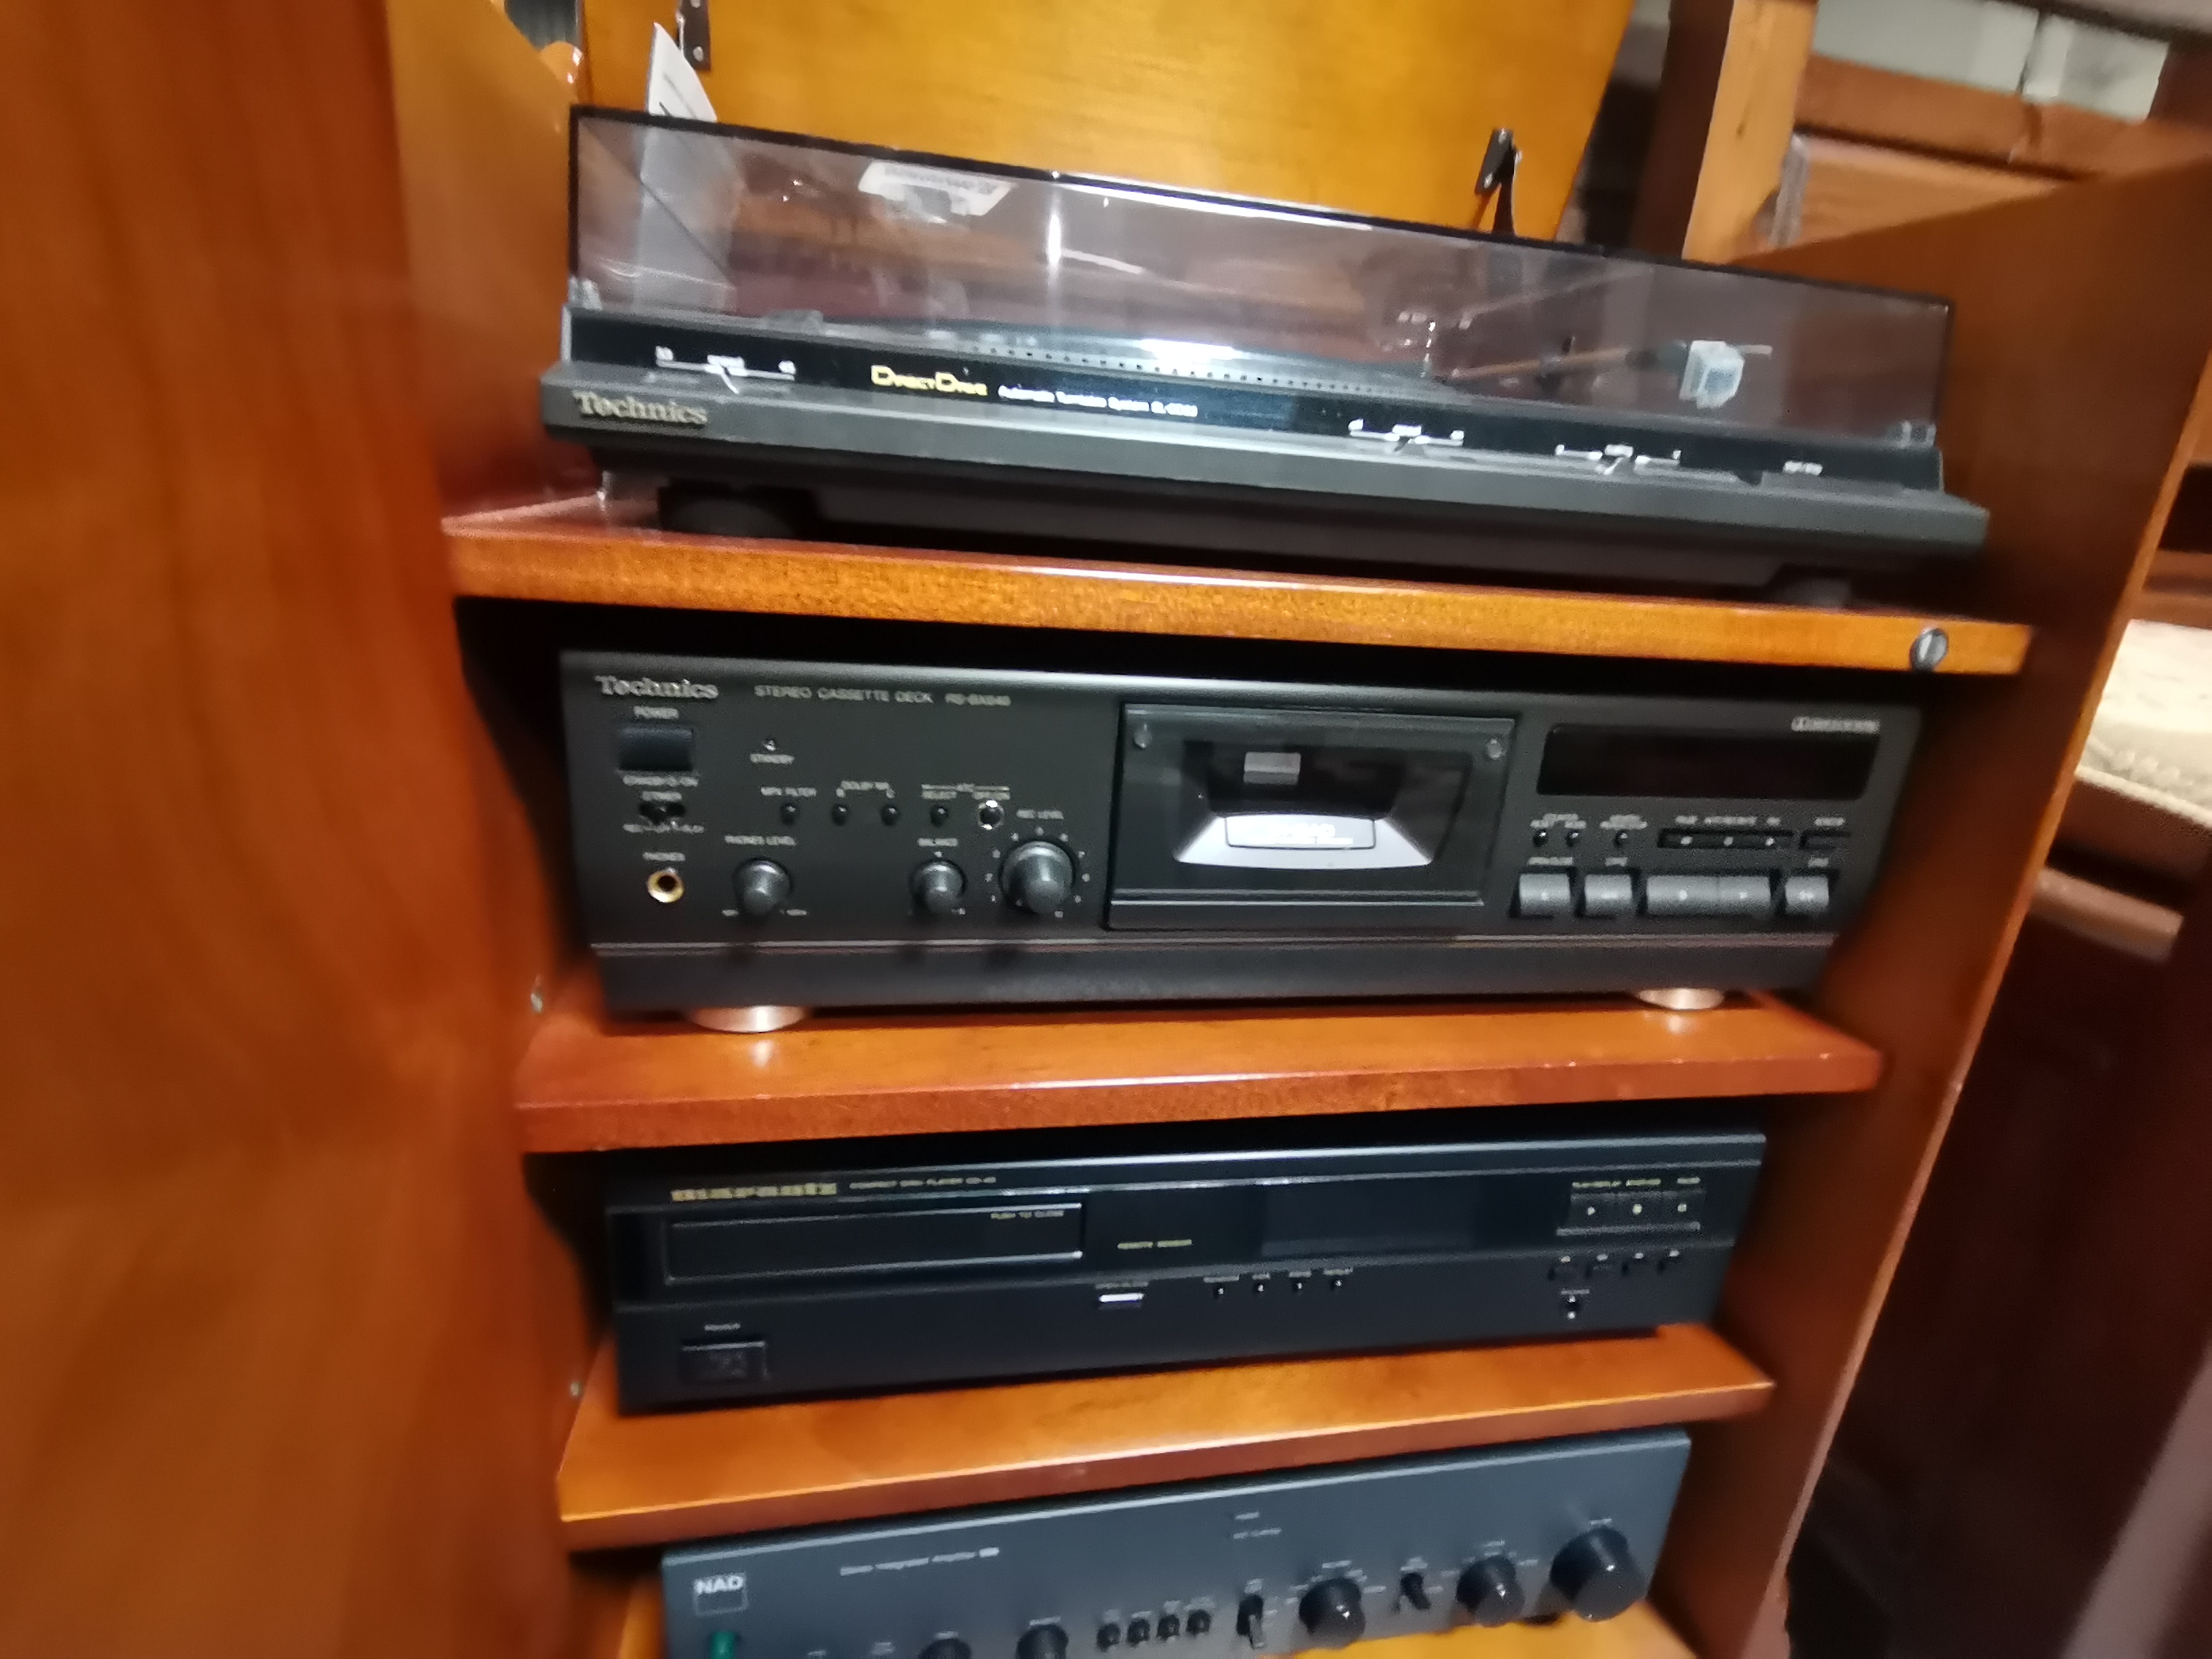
x=1545, y=893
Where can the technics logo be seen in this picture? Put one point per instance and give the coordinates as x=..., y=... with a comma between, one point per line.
x=639, y=409
x=1826, y=723
x=612, y=685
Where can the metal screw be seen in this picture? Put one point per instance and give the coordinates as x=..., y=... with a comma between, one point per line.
x=1494, y=749
x=1141, y=737
x=537, y=997
x=1929, y=649
x=576, y=1390
x=698, y=54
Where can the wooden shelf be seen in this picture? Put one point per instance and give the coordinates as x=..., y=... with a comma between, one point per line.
x=581, y=553
x=654, y=1479
x=1639, y=1633
x=593, y=1082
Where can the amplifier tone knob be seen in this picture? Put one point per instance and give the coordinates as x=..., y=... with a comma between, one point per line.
x=1042, y=1642
x=946, y=1647
x=937, y=886
x=1490, y=1590
x=763, y=886
x=1332, y=1615
x=1038, y=877
x=1598, y=1574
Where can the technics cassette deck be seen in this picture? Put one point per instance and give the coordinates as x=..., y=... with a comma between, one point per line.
x=754, y=832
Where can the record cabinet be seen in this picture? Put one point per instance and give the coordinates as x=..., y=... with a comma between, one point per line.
x=300, y=1358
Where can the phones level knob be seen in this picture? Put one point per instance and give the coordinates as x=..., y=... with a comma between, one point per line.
x=1038, y=877
x=763, y=886
x=1598, y=1574
x=1332, y=1615
x=937, y=886
x=1490, y=1590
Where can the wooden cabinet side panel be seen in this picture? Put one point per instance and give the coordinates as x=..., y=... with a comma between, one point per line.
x=270, y=1386
x=2082, y=334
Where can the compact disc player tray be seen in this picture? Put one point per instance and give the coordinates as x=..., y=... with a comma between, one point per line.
x=835, y=1267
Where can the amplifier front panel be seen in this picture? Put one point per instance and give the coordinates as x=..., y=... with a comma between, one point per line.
x=1300, y=1561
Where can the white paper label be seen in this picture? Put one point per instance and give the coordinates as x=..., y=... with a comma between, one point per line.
x=934, y=193
x=672, y=87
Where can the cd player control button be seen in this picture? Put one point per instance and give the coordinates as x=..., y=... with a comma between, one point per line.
x=654, y=749
x=1169, y=1627
x=990, y=815
x=1038, y=877
x=939, y=812
x=1745, y=895
x=763, y=886
x=1490, y=1590
x=1140, y=1632
x=1332, y=1615
x=840, y=812
x=937, y=886
x=1620, y=838
x=1251, y=1617
x=788, y=811
x=1197, y=1622
x=890, y=813
x=1598, y=1575
x=1541, y=837
x=1042, y=1642
x=946, y=1647
x=722, y=1363
x=1682, y=896
x=1545, y=893
x=1110, y=1636
x=1805, y=895
x=1612, y=894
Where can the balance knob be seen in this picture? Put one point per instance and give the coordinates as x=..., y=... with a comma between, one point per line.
x=945, y=1647
x=763, y=886
x=1038, y=877
x=1490, y=1590
x=1332, y=1615
x=1598, y=1575
x=1042, y=1642
x=937, y=886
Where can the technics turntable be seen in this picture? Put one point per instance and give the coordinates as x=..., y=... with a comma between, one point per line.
x=801, y=335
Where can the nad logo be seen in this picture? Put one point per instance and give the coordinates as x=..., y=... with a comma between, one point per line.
x=719, y=1592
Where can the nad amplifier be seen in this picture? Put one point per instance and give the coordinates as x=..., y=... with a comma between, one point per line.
x=768, y=834
x=1281, y=1564
x=908, y=1262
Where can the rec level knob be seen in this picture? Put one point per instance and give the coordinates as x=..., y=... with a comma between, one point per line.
x=1490, y=1590
x=1038, y=877
x=1598, y=1575
x=937, y=886
x=763, y=886
x=1332, y=1615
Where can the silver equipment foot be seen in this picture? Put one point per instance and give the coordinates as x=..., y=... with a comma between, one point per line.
x=1682, y=999
x=752, y=1021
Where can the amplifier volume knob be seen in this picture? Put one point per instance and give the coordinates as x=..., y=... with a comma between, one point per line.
x=1598, y=1575
x=1490, y=1590
x=763, y=886
x=937, y=886
x=1042, y=1642
x=1332, y=1615
x=1038, y=877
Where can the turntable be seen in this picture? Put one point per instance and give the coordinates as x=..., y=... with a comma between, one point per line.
x=800, y=337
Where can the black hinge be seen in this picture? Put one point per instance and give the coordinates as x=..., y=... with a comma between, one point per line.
x=695, y=36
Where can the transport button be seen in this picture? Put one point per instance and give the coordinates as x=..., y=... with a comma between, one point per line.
x=1744, y=895
x=654, y=749
x=1545, y=893
x=1682, y=896
x=1805, y=896
x=1612, y=894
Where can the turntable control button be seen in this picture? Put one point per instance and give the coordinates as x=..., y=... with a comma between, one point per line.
x=1805, y=896
x=1610, y=894
x=1545, y=893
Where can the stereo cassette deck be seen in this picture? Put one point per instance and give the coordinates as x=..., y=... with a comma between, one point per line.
x=838, y=1267
x=810, y=834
